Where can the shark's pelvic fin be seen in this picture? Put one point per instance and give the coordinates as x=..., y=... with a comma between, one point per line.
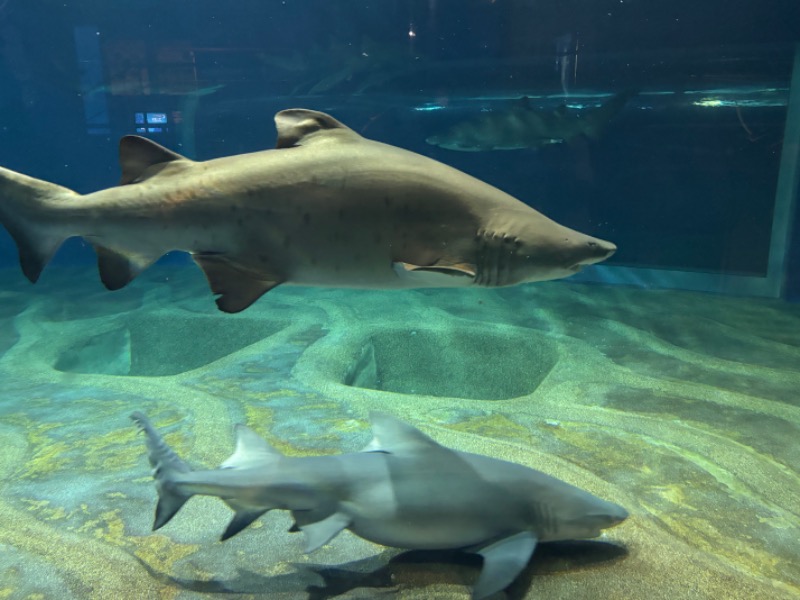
x=241, y=520
x=238, y=287
x=502, y=562
x=138, y=154
x=251, y=450
x=321, y=532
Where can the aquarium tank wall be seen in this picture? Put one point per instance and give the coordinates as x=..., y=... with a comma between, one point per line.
x=516, y=279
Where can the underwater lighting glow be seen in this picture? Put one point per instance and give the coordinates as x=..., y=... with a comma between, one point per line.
x=428, y=107
x=760, y=103
x=709, y=102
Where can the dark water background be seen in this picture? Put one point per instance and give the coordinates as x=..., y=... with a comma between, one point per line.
x=675, y=185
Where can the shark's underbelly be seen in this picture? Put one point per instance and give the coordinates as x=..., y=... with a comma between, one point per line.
x=415, y=514
x=424, y=534
x=363, y=255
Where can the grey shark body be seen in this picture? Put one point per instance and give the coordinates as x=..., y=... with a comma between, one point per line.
x=326, y=207
x=525, y=127
x=405, y=490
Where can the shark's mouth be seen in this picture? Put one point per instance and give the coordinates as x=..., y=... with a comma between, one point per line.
x=592, y=260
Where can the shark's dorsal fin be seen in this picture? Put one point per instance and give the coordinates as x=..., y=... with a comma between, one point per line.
x=393, y=436
x=251, y=450
x=137, y=154
x=299, y=126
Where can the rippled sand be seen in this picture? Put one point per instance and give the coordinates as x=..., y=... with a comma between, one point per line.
x=682, y=407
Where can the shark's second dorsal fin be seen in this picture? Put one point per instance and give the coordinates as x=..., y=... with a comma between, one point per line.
x=137, y=154
x=300, y=126
x=393, y=436
x=251, y=450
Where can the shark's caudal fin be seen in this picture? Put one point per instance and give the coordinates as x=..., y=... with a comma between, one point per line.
x=166, y=465
x=25, y=203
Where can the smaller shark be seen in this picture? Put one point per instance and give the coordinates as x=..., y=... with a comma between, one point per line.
x=403, y=490
x=525, y=127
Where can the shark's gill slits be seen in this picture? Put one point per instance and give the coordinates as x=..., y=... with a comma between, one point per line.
x=495, y=257
x=543, y=516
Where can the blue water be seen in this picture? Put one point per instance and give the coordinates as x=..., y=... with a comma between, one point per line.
x=679, y=405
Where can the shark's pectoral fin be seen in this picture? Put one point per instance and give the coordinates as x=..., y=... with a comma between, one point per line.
x=241, y=520
x=321, y=532
x=503, y=560
x=439, y=274
x=455, y=269
x=116, y=269
x=238, y=287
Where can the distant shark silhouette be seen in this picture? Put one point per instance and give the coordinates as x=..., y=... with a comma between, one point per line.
x=404, y=490
x=526, y=127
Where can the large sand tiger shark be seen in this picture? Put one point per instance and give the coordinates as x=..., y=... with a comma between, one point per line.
x=326, y=207
x=404, y=490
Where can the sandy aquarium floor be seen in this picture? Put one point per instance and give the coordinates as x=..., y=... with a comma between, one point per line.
x=684, y=408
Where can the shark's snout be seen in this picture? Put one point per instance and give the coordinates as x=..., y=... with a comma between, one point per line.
x=617, y=516
x=603, y=248
x=596, y=250
x=610, y=515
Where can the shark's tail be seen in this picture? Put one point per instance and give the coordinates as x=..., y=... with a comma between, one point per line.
x=26, y=207
x=166, y=467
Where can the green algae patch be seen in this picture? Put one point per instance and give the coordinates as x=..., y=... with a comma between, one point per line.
x=15, y=448
x=46, y=454
x=47, y=458
x=261, y=420
x=161, y=551
x=110, y=451
x=95, y=569
x=495, y=426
